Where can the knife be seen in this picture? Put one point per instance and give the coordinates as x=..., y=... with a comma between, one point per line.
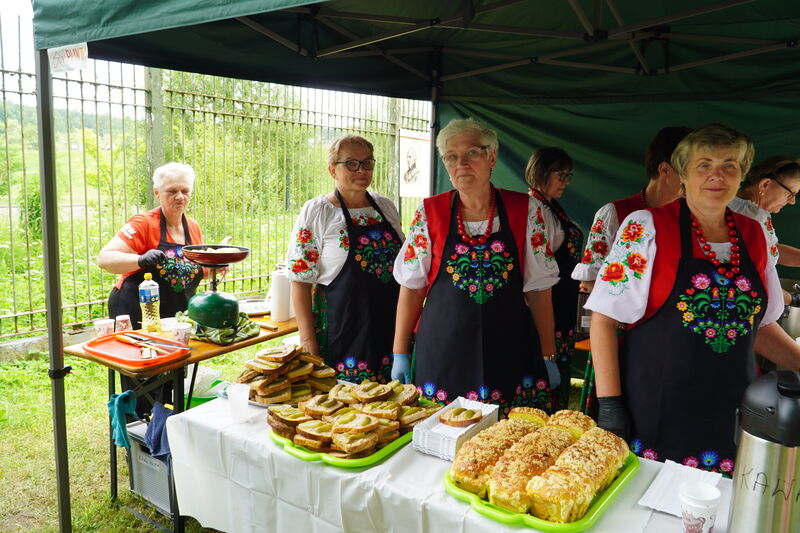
x=142, y=338
x=128, y=340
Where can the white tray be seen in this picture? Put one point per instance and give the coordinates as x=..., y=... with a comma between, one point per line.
x=443, y=441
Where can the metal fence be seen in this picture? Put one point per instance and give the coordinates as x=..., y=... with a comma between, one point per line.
x=258, y=150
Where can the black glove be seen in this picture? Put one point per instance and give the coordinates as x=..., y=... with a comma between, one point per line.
x=612, y=415
x=795, y=299
x=151, y=258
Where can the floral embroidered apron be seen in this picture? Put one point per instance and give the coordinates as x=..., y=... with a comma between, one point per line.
x=684, y=370
x=355, y=313
x=565, y=298
x=476, y=337
x=177, y=281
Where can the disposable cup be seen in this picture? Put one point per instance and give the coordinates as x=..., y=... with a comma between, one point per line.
x=104, y=326
x=181, y=332
x=122, y=323
x=238, y=396
x=699, y=504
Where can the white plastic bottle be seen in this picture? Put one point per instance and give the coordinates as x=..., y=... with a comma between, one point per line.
x=149, y=300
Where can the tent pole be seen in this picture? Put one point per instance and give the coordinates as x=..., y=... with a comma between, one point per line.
x=436, y=72
x=55, y=340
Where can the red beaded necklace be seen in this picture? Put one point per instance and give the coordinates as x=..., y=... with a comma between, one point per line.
x=710, y=255
x=474, y=241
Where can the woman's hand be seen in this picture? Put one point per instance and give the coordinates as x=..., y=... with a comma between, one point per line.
x=612, y=415
x=301, y=298
x=151, y=258
x=401, y=367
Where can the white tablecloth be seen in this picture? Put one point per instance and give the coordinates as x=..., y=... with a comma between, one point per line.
x=232, y=477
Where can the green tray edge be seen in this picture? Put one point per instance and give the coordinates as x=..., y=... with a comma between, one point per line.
x=594, y=512
x=303, y=453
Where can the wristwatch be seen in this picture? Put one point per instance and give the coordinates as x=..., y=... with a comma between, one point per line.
x=551, y=357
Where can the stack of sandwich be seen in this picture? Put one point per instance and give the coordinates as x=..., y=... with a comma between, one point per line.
x=551, y=467
x=351, y=421
x=286, y=374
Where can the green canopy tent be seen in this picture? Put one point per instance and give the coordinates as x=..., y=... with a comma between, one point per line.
x=597, y=77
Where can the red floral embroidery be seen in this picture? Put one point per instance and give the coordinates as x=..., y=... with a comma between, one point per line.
x=587, y=257
x=615, y=273
x=420, y=241
x=417, y=217
x=300, y=265
x=547, y=251
x=600, y=247
x=637, y=263
x=774, y=251
x=597, y=227
x=768, y=224
x=537, y=239
x=632, y=232
x=304, y=236
x=410, y=254
x=539, y=217
x=312, y=256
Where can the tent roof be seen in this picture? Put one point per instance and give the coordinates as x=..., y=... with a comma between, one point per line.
x=488, y=51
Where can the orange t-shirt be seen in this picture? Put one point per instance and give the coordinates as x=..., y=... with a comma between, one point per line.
x=142, y=232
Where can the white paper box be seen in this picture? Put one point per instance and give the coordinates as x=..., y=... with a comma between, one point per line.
x=443, y=441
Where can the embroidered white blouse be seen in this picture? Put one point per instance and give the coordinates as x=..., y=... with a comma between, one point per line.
x=541, y=271
x=319, y=244
x=763, y=217
x=622, y=295
x=598, y=243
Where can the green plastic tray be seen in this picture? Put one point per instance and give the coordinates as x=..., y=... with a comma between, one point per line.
x=598, y=507
x=301, y=452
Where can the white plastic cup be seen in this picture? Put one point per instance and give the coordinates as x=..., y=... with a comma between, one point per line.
x=104, y=326
x=238, y=397
x=181, y=332
x=699, y=504
x=123, y=323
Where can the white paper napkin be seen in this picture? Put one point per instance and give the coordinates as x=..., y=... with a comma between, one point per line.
x=662, y=495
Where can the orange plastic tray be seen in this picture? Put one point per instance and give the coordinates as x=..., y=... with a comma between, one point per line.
x=110, y=348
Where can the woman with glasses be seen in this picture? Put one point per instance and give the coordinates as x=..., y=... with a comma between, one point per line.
x=340, y=264
x=479, y=260
x=768, y=188
x=692, y=281
x=548, y=173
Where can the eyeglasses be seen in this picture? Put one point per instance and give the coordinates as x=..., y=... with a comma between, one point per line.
x=470, y=156
x=790, y=192
x=354, y=164
x=564, y=176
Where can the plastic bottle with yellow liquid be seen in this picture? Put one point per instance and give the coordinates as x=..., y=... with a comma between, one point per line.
x=149, y=300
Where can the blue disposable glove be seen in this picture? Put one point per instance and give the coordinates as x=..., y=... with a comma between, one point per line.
x=401, y=367
x=553, y=375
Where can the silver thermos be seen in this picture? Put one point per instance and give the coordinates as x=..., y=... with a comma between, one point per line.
x=766, y=479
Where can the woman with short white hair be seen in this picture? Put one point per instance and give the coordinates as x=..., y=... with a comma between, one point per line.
x=153, y=242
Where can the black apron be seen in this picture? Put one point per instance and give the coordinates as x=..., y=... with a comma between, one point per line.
x=476, y=337
x=355, y=313
x=177, y=281
x=565, y=298
x=684, y=370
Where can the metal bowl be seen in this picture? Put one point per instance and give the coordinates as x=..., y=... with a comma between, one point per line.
x=198, y=253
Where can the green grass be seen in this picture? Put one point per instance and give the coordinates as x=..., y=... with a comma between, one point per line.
x=27, y=459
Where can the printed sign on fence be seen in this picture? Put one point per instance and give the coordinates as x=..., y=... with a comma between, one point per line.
x=68, y=58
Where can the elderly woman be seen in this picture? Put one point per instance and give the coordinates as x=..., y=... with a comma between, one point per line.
x=153, y=242
x=548, y=173
x=693, y=282
x=343, y=246
x=480, y=260
x=768, y=188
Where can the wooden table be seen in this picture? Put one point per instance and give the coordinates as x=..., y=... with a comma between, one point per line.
x=152, y=377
